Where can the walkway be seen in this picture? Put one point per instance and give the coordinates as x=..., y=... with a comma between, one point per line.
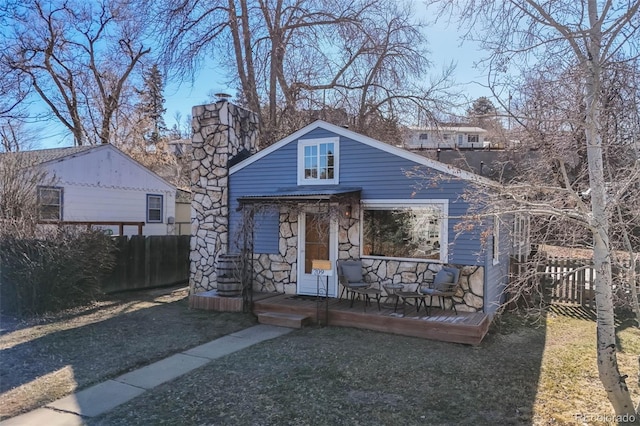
x=105, y=396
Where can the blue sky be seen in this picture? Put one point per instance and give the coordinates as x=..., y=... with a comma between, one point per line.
x=444, y=45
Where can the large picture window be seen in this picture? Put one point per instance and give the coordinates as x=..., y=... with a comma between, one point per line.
x=50, y=200
x=405, y=232
x=318, y=161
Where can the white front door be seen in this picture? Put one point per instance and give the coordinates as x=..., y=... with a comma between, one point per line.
x=317, y=236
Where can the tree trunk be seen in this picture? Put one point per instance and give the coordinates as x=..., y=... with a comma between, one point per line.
x=242, y=47
x=613, y=382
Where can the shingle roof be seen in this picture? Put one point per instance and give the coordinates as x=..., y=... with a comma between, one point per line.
x=40, y=156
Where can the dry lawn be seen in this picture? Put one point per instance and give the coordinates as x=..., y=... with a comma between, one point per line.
x=524, y=373
x=46, y=358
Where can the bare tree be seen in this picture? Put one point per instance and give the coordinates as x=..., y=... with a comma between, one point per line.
x=78, y=56
x=292, y=57
x=587, y=38
x=19, y=206
x=10, y=136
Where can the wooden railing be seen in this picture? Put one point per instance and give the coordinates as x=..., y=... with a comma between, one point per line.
x=89, y=224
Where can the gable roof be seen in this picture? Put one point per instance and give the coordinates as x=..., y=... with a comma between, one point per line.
x=45, y=156
x=341, y=131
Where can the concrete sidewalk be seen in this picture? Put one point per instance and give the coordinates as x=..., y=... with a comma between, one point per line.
x=105, y=396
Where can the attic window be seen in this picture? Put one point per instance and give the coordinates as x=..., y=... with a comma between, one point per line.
x=318, y=161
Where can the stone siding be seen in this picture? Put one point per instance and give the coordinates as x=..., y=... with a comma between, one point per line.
x=277, y=272
x=221, y=131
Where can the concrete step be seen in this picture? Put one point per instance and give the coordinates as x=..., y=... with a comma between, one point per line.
x=283, y=320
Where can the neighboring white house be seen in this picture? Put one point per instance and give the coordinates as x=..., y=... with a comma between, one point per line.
x=103, y=184
x=183, y=212
x=446, y=137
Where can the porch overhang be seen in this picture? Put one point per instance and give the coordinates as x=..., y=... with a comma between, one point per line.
x=304, y=194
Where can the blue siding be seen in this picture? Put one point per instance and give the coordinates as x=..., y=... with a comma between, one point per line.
x=266, y=230
x=275, y=170
x=381, y=175
x=496, y=276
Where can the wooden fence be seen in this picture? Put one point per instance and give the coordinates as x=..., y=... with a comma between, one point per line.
x=572, y=281
x=151, y=261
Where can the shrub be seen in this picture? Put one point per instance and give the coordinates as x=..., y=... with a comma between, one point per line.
x=59, y=270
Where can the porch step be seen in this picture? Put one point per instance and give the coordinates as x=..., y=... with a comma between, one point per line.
x=283, y=320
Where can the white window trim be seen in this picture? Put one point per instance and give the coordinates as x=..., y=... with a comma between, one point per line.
x=496, y=240
x=302, y=143
x=162, y=208
x=443, y=204
x=521, y=224
x=60, y=191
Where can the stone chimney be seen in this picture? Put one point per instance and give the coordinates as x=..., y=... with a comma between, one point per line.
x=220, y=132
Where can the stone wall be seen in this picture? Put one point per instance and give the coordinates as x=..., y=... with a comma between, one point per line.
x=278, y=272
x=221, y=131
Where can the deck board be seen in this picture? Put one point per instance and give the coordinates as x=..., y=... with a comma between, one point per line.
x=466, y=327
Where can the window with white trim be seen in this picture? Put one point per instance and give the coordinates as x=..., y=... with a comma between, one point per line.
x=318, y=161
x=404, y=231
x=154, y=208
x=521, y=225
x=50, y=201
x=496, y=240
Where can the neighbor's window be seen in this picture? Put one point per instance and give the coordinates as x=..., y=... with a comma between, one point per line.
x=409, y=232
x=424, y=136
x=154, y=208
x=318, y=161
x=50, y=201
x=473, y=138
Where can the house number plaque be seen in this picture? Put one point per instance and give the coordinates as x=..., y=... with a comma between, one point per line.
x=321, y=268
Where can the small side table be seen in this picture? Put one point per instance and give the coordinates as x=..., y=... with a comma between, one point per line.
x=366, y=293
x=391, y=290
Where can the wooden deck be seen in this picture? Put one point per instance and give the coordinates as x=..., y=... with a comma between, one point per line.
x=466, y=327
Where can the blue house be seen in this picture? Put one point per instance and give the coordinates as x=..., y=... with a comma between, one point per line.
x=325, y=192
